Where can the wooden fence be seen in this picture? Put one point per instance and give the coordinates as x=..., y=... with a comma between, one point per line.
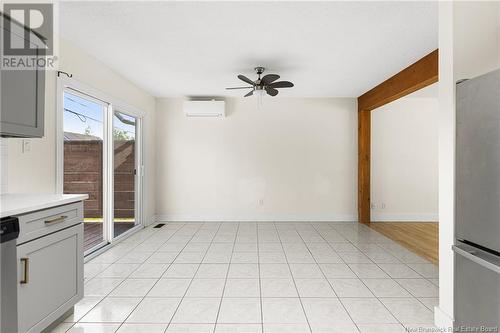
x=83, y=174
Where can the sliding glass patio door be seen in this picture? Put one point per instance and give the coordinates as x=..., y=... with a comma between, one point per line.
x=84, y=121
x=126, y=157
x=102, y=158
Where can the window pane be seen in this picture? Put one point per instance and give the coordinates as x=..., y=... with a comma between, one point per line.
x=83, y=125
x=124, y=131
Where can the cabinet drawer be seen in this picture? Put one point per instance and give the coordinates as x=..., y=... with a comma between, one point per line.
x=50, y=278
x=42, y=222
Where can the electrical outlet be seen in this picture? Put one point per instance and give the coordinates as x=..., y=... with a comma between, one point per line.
x=26, y=146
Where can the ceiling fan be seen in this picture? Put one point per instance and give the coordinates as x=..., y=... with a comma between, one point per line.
x=266, y=84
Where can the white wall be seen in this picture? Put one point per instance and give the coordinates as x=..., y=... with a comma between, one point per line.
x=476, y=38
x=4, y=179
x=443, y=315
x=404, y=158
x=35, y=171
x=296, y=155
x=469, y=45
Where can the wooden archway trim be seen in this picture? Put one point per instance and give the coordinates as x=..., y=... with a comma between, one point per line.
x=418, y=75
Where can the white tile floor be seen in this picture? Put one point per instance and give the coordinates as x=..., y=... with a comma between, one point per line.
x=256, y=277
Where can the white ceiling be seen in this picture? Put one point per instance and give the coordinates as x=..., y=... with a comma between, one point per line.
x=328, y=49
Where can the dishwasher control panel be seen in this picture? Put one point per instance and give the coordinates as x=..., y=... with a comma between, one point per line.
x=9, y=229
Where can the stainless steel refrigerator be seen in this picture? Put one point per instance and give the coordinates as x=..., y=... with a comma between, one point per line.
x=477, y=228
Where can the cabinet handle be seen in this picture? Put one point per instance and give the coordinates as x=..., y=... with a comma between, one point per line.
x=26, y=268
x=56, y=220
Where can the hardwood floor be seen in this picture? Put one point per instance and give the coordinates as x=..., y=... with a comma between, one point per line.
x=421, y=238
x=93, y=232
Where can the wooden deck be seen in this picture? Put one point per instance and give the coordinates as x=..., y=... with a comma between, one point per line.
x=421, y=238
x=93, y=232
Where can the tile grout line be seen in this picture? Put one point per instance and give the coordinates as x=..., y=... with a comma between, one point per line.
x=190, y=282
x=144, y=297
x=260, y=282
x=225, y=281
x=327, y=280
x=293, y=279
x=359, y=278
x=105, y=296
x=390, y=277
x=157, y=280
x=293, y=226
x=132, y=249
x=395, y=279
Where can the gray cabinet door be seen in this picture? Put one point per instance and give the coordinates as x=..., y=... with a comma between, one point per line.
x=22, y=99
x=50, y=274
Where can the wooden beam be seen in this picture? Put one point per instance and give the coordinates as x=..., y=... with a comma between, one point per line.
x=364, y=152
x=417, y=76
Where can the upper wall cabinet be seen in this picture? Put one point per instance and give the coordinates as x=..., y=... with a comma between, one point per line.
x=22, y=91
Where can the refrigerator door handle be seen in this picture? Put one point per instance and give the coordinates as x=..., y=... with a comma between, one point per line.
x=473, y=256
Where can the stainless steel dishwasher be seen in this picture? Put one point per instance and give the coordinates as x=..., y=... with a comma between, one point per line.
x=9, y=231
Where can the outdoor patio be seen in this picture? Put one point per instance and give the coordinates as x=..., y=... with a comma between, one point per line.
x=93, y=232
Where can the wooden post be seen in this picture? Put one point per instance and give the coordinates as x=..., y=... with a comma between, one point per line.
x=422, y=73
x=364, y=152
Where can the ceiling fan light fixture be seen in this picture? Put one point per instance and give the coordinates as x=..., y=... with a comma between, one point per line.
x=259, y=93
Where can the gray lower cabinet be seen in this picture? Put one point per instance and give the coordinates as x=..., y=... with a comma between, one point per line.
x=49, y=272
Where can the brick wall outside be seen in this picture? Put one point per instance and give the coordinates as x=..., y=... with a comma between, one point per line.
x=83, y=174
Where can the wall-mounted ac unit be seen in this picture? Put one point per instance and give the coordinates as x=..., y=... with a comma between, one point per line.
x=211, y=109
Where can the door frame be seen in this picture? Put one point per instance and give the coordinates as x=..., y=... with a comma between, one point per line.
x=139, y=176
x=106, y=162
x=79, y=88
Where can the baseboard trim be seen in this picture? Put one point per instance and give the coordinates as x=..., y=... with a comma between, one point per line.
x=405, y=217
x=283, y=218
x=442, y=320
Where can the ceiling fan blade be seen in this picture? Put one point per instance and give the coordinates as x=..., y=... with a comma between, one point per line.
x=239, y=88
x=271, y=91
x=249, y=94
x=281, y=84
x=245, y=79
x=269, y=78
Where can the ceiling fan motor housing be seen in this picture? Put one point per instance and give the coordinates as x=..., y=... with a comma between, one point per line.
x=259, y=70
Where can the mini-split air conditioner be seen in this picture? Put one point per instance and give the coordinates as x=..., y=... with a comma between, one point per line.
x=206, y=109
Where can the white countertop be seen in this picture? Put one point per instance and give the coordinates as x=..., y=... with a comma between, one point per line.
x=20, y=203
